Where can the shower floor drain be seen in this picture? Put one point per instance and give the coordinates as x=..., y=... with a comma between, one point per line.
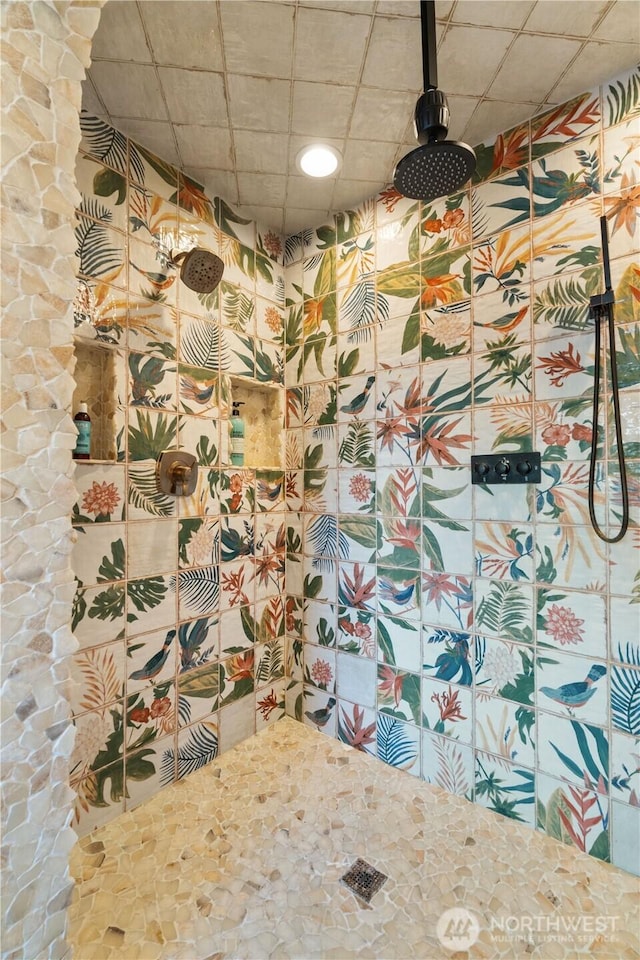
x=363, y=879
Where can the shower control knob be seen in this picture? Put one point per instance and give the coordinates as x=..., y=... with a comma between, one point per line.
x=523, y=468
x=503, y=468
x=482, y=469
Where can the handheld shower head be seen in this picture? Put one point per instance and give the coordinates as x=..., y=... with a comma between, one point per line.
x=438, y=166
x=201, y=270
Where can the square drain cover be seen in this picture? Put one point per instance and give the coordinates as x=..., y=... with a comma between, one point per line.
x=363, y=879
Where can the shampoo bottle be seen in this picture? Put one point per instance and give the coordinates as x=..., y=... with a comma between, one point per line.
x=237, y=435
x=82, y=421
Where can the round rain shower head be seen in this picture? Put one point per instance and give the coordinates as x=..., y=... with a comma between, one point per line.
x=201, y=270
x=434, y=170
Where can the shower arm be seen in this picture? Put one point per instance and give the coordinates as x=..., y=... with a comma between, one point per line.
x=429, y=62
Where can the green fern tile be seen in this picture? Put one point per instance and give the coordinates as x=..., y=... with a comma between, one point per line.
x=359, y=307
x=151, y=171
x=198, y=591
x=559, y=303
x=150, y=433
x=101, y=251
x=625, y=699
x=238, y=308
x=506, y=788
x=202, y=352
x=198, y=745
x=103, y=142
x=621, y=98
x=144, y=498
x=198, y=692
x=448, y=764
x=504, y=609
x=398, y=743
x=103, y=190
x=357, y=443
x=97, y=675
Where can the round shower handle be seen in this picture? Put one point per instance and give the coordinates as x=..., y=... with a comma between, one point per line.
x=503, y=468
x=524, y=468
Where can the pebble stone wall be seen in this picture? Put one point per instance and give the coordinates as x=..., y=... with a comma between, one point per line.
x=45, y=51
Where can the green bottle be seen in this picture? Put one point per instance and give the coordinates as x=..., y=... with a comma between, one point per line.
x=82, y=421
x=237, y=435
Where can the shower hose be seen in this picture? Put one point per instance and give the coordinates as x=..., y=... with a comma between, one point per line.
x=602, y=307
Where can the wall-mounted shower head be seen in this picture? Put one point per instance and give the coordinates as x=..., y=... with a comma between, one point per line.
x=201, y=270
x=437, y=167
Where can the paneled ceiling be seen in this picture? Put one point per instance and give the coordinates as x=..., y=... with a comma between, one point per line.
x=230, y=91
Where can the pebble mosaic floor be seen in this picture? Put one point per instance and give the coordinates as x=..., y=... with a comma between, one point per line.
x=244, y=858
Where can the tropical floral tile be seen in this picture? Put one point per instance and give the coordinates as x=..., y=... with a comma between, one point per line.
x=447, y=600
x=356, y=351
x=357, y=727
x=97, y=677
x=399, y=694
x=447, y=764
x=270, y=704
x=150, y=433
x=505, y=427
x=566, y=240
x=574, y=751
x=270, y=534
x=319, y=668
x=564, y=429
x=101, y=492
x=509, y=150
x=148, y=770
x=393, y=242
x=151, y=659
x=446, y=655
x=150, y=715
x=199, y=643
x=199, y=542
x=503, y=371
x=150, y=273
x=624, y=569
x=564, y=367
x=506, y=730
x=624, y=625
x=444, y=224
x=625, y=699
x=505, y=669
x=573, y=686
x=357, y=444
x=504, y=609
x=100, y=797
x=197, y=746
x=391, y=205
x=397, y=591
x=101, y=251
x=99, y=553
x=237, y=583
x=321, y=362
x=102, y=189
x=359, y=538
x=237, y=675
x=319, y=711
x=502, y=264
x=205, y=500
x=98, y=614
x=551, y=130
x=355, y=259
x=499, y=321
x=570, y=556
x=356, y=632
x=269, y=662
x=151, y=604
x=574, y=815
x=445, y=331
x=151, y=327
x=357, y=490
x=500, y=203
x=398, y=744
x=447, y=709
x=399, y=643
x=390, y=336
x=625, y=768
x=198, y=691
x=572, y=621
x=506, y=788
x=237, y=491
x=504, y=550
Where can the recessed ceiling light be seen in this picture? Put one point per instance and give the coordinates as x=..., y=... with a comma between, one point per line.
x=318, y=160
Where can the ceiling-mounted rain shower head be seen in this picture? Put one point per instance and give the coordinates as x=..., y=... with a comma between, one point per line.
x=201, y=270
x=438, y=167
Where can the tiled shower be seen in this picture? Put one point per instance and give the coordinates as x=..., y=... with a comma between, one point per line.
x=357, y=579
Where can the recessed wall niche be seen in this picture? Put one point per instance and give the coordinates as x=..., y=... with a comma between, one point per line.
x=96, y=377
x=263, y=415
